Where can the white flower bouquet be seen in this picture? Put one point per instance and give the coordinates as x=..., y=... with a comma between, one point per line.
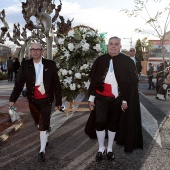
x=76, y=51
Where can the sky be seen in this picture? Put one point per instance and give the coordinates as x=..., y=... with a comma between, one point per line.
x=103, y=15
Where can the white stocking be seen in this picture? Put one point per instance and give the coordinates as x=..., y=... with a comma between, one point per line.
x=43, y=140
x=101, y=138
x=111, y=136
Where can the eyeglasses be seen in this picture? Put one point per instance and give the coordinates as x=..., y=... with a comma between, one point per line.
x=35, y=50
x=132, y=50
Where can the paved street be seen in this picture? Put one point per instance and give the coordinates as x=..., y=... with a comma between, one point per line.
x=70, y=149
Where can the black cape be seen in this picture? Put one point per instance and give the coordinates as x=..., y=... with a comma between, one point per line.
x=129, y=133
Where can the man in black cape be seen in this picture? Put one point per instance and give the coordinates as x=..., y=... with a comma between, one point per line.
x=114, y=95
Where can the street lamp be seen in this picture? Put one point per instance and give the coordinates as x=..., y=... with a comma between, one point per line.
x=130, y=41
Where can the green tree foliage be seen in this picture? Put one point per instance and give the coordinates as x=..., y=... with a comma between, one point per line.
x=139, y=52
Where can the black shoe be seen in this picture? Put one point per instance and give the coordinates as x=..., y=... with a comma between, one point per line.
x=148, y=89
x=153, y=88
x=41, y=157
x=110, y=156
x=99, y=156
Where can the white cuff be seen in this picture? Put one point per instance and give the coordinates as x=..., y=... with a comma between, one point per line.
x=91, y=98
x=124, y=102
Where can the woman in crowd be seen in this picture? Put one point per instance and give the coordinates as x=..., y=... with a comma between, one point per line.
x=164, y=84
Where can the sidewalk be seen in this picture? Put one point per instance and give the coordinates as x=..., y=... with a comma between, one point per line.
x=22, y=108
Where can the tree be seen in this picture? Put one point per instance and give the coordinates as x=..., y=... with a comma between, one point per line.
x=139, y=52
x=5, y=28
x=154, y=20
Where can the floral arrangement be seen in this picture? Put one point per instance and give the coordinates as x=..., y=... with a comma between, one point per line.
x=76, y=50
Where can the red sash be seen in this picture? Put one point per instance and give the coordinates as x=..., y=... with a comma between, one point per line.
x=37, y=93
x=107, y=90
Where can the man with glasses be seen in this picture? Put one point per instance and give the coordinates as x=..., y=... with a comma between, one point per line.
x=132, y=53
x=43, y=85
x=113, y=93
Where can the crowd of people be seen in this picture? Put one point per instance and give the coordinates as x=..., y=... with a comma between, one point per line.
x=11, y=66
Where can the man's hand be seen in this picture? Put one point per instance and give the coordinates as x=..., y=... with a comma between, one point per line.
x=91, y=105
x=124, y=106
x=11, y=104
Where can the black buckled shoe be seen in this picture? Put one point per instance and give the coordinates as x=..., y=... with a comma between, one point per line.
x=110, y=156
x=99, y=156
x=41, y=157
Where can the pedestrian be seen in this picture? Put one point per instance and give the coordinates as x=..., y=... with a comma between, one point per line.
x=3, y=68
x=150, y=77
x=16, y=67
x=164, y=84
x=113, y=92
x=10, y=68
x=137, y=61
x=42, y=84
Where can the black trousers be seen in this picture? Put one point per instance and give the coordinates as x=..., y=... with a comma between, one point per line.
x=41, y=113
x=151, y=84
x=10, y=74
x=108, y=110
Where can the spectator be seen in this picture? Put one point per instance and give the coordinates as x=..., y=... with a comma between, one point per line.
x=164, y=84
x=159, y=75
x=16, y=66
x=150, y=77
x=136, y=60
x=3, y=67
x=10, y=69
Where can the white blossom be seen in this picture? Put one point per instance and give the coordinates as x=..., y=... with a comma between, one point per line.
x=68, y=80
x=72, y=86
x=61, y=41
x=78, y=75
x=66, y=54
x=85, y=47
x=70, y=46
x=70, y=72
x=97, y=47
x=78, y=86
x=64, y=72
x=85, y=66
x=87, y=84
x=71, y=33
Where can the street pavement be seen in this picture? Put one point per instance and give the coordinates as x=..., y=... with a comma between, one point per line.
x=70, y=149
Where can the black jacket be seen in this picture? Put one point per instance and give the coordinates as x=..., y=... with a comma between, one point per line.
x=50, y=80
